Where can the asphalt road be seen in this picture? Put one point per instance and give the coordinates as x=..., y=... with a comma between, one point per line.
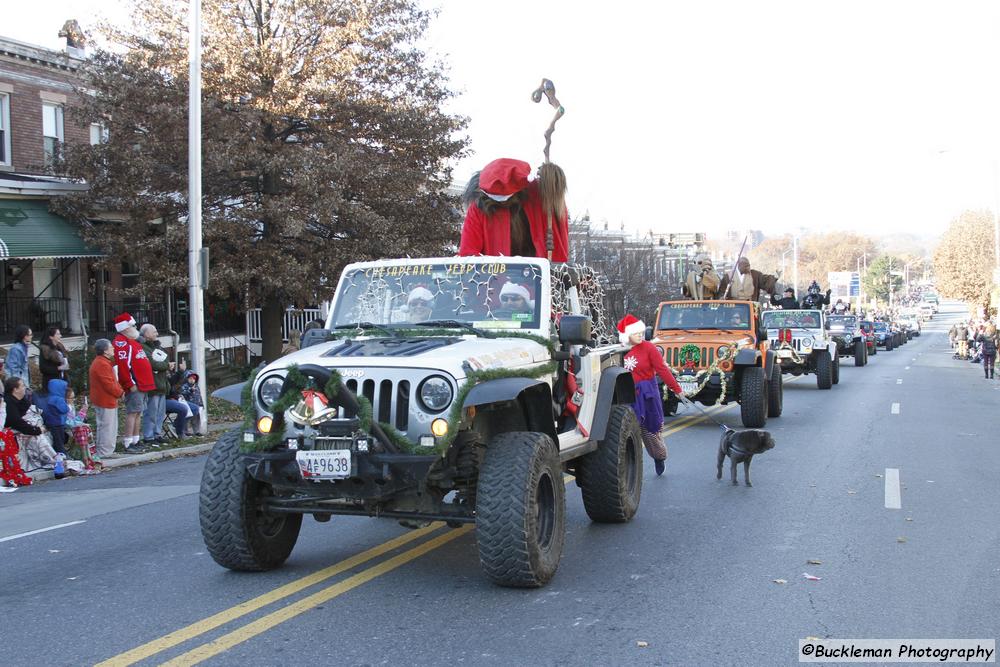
x=123, y=577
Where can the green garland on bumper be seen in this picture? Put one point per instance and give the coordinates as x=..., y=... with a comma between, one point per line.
x=298, y=382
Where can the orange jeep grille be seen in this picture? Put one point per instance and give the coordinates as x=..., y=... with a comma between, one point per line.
x=672, y=355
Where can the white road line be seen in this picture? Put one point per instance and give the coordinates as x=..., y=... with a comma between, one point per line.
x=892, y=497
x=40, y=530
x=899, y=380
x=895, y=408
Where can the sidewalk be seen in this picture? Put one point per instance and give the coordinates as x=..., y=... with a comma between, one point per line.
x=121, y=461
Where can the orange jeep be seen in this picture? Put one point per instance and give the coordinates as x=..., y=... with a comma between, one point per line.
x=719, y=353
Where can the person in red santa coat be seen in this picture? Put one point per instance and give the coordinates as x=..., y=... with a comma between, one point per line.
x=643, y=360
x=135, y=375
x=512, y=216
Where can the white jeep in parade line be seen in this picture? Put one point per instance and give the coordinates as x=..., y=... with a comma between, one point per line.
x=457, y=389
x=802, y=344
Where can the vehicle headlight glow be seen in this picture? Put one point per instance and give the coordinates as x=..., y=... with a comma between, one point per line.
x=435, y=393
x=270, y=390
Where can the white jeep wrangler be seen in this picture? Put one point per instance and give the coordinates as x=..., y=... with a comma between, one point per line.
x=802, y=344
x=452, y=389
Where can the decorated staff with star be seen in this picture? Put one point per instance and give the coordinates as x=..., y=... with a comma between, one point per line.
x=643, y=360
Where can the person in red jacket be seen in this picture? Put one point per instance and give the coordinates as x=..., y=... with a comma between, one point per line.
x=643, y=360
x=512, y=216
x=135, y=374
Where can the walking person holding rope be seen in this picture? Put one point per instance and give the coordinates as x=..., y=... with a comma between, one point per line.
x=643, y=360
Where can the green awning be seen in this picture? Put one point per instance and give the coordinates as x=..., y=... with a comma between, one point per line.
x=29, y=231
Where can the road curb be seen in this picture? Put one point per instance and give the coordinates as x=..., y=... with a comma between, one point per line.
x=136, y=459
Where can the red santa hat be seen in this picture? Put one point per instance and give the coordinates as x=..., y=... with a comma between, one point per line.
x=503, y=178
x=628, y=325
x=517, y=290
x=123, y=322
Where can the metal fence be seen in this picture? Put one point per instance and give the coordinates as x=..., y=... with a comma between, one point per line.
x=295, y=319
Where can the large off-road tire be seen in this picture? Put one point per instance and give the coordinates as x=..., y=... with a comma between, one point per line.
x=824, y=370
x=611, y=476
x=520, y=510
x=860, y=353
x=775, y=394
x=874, y=350
x=238, y=535
x=835, y=371
x=888, y=344
x=753, y=397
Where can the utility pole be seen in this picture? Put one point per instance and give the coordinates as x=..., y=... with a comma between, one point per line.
x=196, y=269
x=795, y=262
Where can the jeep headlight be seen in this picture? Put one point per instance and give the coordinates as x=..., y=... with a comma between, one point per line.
x=435, y=393
x=807, y=343
x=270, y=390
x=724, y=352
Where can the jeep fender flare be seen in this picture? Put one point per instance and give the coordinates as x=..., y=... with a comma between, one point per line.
x=616, y=388
x=747, y=357
x=533, y=396
x=832, y=348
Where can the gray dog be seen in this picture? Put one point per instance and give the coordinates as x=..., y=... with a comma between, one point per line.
x=741, y=446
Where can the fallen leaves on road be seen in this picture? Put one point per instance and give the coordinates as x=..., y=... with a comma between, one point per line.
x=53, y=551
x=813, y=561
x=879, y=476
x=810, y=577
x=900, y=539
x=779, y=581
x=851, y=492
x=642, y=644
x=909, y=518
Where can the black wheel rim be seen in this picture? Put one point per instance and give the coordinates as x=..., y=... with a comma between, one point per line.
x=266, y=524
x=545, y=510
x=631, y=465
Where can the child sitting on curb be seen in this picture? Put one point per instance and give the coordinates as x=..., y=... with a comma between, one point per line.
x=76, y=422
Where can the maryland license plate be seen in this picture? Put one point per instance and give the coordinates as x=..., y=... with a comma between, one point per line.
x=325, y=464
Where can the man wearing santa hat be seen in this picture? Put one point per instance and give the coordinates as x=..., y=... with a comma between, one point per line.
x=643, y=360
x=512, y=216
x=515, y=298
x=135, y=374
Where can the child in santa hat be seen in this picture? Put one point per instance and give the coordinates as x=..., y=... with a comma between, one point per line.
x=643, y=360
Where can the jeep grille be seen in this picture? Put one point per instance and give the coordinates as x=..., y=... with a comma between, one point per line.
x=796, y=344
x=672, y=355
x=390, y=402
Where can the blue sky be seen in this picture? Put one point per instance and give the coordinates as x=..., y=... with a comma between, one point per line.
x=682, y=116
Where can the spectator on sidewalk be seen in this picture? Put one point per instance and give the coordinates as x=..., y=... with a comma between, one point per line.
x=79, y=429
x=26, y=422
x=294, y=342
x=988, y=344
x=156, y=399
x=192, y=395
x=16, y=365
x=11, y=471
x=54, y=414
x=952, y=334
x=962, y=339
x=135, y=374
x=53, y=357
x=105, y=390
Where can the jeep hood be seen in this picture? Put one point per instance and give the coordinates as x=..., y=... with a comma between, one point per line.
x=702, y=337
x=453, y=354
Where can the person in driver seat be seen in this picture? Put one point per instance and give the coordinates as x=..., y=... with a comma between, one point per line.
x=419, y=303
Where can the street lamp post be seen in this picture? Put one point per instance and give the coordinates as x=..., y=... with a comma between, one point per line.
x=196, y=259
x=795, y=262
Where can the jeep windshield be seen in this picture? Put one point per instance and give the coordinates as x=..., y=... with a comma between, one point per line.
x=700, y=315
x=842, y=322
x=495, y=295
x=792, y=319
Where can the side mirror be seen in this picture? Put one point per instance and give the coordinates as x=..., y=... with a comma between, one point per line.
x=649, y=333
x=574, y=330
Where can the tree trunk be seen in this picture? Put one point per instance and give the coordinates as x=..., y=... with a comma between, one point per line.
x=271, y=315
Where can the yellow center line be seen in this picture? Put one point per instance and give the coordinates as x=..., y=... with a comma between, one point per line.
x=264, y=623
x=200, y=627
x=251, y=630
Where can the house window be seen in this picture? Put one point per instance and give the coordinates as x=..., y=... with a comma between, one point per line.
x=52, y=130
x=98, y=134
x=4, y=129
